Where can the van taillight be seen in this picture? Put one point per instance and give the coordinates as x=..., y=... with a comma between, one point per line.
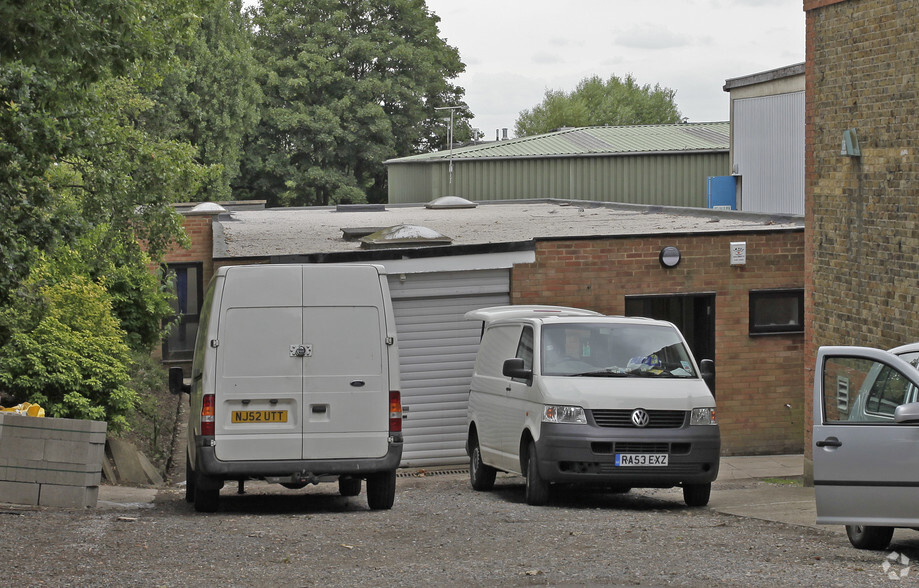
x=207, y=414
x=395, y=412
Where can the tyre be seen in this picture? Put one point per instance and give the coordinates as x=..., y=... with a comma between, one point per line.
x=381, y=490
x=697, y=494
x=348, y=486
x=189, y=481
x=481, y=476
x=863, y=537
x=205, y=500
x=537, y=489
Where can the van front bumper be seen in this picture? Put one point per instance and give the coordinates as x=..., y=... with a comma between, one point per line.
x=208, y=465
x=587, y=454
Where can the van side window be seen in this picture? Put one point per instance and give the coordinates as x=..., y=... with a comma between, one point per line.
x=525, y=348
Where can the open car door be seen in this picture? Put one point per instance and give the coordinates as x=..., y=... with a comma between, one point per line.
x=866, y=442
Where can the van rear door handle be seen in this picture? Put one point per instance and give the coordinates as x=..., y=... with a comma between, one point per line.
x=829, y=442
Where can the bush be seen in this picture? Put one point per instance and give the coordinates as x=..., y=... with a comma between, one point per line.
x=65, y=351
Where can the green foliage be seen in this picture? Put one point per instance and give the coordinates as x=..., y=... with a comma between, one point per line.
x=66, y=352
x=615, y=102
x=210, y=96
x=347, y=85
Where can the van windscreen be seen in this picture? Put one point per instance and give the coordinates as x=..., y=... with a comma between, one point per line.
x=623, y=350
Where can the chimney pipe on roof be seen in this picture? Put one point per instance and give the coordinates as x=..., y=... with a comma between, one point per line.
x=504, y=138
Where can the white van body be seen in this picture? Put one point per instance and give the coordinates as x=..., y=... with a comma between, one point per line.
x=295, y=380
x=623, y=405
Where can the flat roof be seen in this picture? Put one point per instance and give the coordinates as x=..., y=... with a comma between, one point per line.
x=764, y=76
x=489, y=227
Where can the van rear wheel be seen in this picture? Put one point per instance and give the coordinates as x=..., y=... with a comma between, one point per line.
x=381, y=490
x=189, y=481
x=206, y=500
x=481, y=476
x=348, y=486
x=537, y=489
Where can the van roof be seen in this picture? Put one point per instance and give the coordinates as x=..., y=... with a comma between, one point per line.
x=493, y=313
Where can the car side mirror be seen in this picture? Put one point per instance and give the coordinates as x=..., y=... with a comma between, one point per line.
x=707, y=367
x=907, y=413
x=515, y=368
x=177, y=383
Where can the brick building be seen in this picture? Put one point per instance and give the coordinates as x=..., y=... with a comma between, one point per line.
x=862, y=206
x=746, y=312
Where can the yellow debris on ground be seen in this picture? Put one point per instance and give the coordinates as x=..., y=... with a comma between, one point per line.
x=26, y=408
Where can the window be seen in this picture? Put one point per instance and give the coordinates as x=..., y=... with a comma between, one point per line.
x=179, y=345
x=525, y=348
x=858, y=390
x=774, y=312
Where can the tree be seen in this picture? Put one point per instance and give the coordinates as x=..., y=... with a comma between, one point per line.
x=210, y=96
x=615, y=102
x=348, y=84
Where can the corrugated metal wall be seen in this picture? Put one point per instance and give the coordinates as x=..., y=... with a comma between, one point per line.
x=668, y=179
x=437, y=348
x=769, y=152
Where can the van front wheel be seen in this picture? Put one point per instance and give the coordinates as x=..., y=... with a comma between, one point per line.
x=537, y=489
x=697, y=494
x=481, y=476
x=381, y=490
x=867, y=537
x=348, y=486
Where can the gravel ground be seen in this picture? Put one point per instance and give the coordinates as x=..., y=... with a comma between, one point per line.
x=439, y=532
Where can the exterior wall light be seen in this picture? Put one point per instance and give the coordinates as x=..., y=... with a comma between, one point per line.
x=670, y=256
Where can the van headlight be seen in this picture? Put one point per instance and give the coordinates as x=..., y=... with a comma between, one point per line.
x=564, y=414
x=703, y=416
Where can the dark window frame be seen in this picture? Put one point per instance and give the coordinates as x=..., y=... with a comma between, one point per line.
x=170, y=270
x=757, y=297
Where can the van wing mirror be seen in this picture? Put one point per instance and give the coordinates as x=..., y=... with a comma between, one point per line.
x=707, y=367
x=177, y=383
x=515, y=368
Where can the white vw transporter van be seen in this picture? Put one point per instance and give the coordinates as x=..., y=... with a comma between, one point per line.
x=295, y=380
x=564, y=395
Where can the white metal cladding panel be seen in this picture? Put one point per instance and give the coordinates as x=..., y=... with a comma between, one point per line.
x=769, y=152
x=437, y=348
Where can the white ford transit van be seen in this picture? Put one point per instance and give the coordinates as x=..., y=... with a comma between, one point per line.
x=564, y=395
x=295, y=380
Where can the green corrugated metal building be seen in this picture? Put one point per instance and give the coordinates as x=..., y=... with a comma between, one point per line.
x=654, y=164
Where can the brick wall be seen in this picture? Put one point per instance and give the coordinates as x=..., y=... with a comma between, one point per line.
x=199, y=230
x=862, y=213
x=757, y=376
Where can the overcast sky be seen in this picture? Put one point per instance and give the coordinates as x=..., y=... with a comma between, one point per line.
x=514, y=50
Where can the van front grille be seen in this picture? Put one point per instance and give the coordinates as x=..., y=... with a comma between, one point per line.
x=659, y=419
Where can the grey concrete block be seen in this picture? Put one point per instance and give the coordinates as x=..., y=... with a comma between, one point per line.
x=75, y=452
x=22, y=448
x=19, y=493
x=127, y=463
x=68, y=496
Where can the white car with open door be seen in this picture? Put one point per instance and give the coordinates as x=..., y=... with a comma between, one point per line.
x=866, y=441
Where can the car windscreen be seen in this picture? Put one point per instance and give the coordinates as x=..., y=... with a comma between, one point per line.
x=614, y=350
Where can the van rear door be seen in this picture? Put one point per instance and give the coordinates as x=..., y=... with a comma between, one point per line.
x=346, y=370
x=259, y=380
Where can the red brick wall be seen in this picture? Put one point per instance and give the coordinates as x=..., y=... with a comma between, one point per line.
x=756, y=376
x=861, y=270
x=199, y=230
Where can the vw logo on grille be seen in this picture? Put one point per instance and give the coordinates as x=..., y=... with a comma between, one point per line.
x=640, y=417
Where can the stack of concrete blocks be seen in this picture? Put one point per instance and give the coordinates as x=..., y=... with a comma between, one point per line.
x=50, y=462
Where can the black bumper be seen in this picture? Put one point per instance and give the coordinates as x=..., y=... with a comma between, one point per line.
x=587, y=454
x=208, y=465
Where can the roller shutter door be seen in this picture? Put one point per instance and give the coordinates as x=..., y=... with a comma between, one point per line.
x=437, y=348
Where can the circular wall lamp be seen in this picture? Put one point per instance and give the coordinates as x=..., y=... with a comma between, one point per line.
x=670, y=256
